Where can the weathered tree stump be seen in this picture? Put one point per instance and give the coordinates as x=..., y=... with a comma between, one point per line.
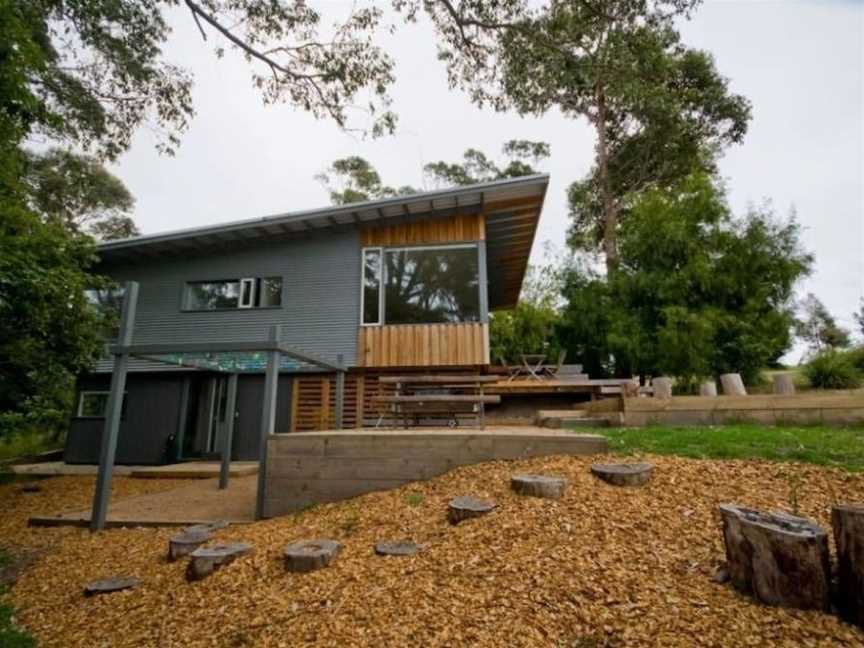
x=662, y=386
x=186, y=542
x=781, y=559
x=207, y=527
x=847, y=521
x=398, y=548
x=630, y=389
x=635, y=474
x=708, y=388
x=465, y=507
x=205, y=560
x=308, y=555
x=108, y=585
x=783, y=384
x=545, y=486
x=732, y=384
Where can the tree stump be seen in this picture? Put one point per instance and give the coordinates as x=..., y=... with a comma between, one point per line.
x=205, y=560
x=630, y=389
x=732, y=384
x=783, y=384
x=308, y=555
x=399, y=548
x=207, y=527
x=847, y=521
x=186, y=542
x=662, y=387
x=635, y=474
x=781, y=559
x=108, y=585
x=465, y=507
x=545, y=486
x=708, y=388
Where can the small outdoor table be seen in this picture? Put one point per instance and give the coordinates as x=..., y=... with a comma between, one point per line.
x=532, y=364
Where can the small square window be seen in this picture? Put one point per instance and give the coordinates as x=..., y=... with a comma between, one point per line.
x=94, y=404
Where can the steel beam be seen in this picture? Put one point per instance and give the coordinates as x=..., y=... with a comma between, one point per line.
x=268, y=416
x=228, y=440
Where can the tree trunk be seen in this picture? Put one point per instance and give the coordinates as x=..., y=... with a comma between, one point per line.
x=465, y=507
x=708, y=388
x=662, y=387
x=610, y=205
x=847, y=521
x=545, y=486
x=635, y=474
x=310, y=555
x=781, y=559
x=783, y=384
x=732, y=384
x=185, y=543
x=205, y=560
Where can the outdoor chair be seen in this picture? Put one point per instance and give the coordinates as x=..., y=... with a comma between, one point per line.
x=553, y=370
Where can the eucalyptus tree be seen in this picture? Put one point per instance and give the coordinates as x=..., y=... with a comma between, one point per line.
x=659, y=110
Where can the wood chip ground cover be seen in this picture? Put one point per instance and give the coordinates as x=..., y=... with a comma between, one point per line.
x=603, y=566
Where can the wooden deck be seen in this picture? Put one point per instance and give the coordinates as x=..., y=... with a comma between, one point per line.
x=552, y=386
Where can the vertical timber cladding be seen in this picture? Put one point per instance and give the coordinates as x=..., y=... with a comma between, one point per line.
x=425, y=345
x=313, y=405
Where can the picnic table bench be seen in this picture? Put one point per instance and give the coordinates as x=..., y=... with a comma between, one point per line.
x=433, y=396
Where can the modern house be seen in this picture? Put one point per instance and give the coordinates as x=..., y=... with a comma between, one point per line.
x=405, y=284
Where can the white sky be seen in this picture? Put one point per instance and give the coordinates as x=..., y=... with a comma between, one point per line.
x=801, y=64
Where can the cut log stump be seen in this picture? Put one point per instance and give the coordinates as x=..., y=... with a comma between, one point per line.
x=466, y=507
x=208, y=527
x=108, y=585
x=847, y=521
x=783, y=384
x=308, y=555
x=186, y=542
x=545, y=486
x=781, y=559
x=708, y=388
x=205, y=560
x=662, y=387
x=634, y=474
x=398, y=548
x=732, y=384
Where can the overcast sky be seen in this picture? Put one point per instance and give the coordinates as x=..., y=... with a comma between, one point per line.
x=801, y=64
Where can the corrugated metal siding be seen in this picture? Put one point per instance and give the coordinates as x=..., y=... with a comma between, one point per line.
x=320, y=299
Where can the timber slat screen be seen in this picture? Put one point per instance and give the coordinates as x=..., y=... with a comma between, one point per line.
x=467, y=227
x=423, y=345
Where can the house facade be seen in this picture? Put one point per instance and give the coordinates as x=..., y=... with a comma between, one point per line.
x=405, y=283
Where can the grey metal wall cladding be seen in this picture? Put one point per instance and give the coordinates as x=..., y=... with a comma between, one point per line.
x=250, y=404
x=320, y=295
x=152, y=410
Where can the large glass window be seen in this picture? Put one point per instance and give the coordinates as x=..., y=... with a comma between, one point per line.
x=372, y=286
x=108, y=302
x=264, y=292
x=426, y=285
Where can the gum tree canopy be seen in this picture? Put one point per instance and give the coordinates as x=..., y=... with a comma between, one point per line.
x=659, y=109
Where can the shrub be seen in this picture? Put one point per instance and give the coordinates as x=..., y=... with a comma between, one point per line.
x=832, y=370
x=856, y=356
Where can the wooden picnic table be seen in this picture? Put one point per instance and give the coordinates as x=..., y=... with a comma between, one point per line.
x=431, y=395
x=532, y=366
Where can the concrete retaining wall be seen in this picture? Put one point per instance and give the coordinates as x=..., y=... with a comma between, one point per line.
x=834, y=408
x=316, y=467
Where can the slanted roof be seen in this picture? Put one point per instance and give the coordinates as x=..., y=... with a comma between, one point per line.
x=512, y=209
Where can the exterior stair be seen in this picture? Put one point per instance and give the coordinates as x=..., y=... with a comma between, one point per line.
x=570, y=419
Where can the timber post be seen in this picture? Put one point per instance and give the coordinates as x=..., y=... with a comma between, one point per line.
x=114, y=408
x=340, y=391
x=227, y=442
x=268, y=414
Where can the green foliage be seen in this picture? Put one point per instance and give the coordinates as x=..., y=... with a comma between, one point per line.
x=48, y=332
x=12, y=636
x=859, y=318
x=79, y=193
x=528, y=328
x=414, y=498
x=825, y=446
x=818, y=327
x=354, y=179
x=698, y=292
x=856, y=357
x=833, y=369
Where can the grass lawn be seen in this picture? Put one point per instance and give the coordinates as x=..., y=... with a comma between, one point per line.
x=21, y=445
x=827, y=446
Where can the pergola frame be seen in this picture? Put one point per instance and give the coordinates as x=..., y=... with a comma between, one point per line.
x=273, y=347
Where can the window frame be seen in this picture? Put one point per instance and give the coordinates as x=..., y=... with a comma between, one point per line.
x=246, y=281
x=184, y=296
x=363, y=251
x=107, y=394
x=382, y=279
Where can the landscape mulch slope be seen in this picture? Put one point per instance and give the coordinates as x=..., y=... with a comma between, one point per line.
x=604, y=566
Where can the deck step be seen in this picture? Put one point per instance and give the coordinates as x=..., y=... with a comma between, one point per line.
x=572, y=422
x=571, y=413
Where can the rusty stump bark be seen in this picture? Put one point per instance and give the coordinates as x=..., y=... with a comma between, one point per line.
x=847, y=521
x=545, y=486
x=781, y=559
x=205, y=560
x=465, y=507
x=732, y=384
x=308, y=555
